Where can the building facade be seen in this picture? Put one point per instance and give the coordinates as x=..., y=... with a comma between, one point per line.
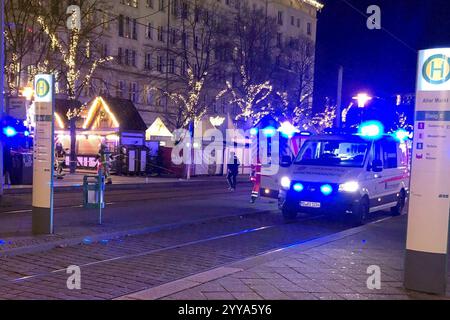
x=141, y=34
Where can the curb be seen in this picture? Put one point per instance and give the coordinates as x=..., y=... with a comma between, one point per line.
x=111, y=235
x=126, y=186
x=195, y=280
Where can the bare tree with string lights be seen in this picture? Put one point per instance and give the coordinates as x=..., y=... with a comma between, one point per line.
x=75, y=48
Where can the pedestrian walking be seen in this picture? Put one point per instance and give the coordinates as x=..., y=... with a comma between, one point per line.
x=233, y=170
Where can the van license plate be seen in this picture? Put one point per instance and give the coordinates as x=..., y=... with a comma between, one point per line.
x=309, y=204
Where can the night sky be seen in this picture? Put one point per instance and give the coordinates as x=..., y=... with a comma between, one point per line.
x=381, y=62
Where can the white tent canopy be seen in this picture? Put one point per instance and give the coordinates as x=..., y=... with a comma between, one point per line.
x=158, y=129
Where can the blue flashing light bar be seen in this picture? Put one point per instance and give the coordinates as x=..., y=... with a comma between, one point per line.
x=371, y=130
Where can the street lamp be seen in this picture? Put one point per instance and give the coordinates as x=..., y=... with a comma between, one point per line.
x=362, y=99
x=27, y=92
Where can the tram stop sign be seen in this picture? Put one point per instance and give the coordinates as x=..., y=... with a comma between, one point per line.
x=428, y=216
x=43, y=155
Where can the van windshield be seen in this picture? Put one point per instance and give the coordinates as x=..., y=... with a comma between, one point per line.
x=336, y=153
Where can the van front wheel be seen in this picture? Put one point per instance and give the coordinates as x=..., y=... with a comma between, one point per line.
x=360, y=212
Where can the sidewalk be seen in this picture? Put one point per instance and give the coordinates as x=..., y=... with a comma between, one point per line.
x=74, y=225
x=333, y=267
x=75, y=181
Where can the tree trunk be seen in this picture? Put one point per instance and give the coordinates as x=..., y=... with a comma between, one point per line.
x=73, y=145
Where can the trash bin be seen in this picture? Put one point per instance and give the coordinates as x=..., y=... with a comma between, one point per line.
x=93, y=191
x=21, y=168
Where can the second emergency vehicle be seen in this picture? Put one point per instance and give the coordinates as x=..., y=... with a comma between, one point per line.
x=346, y=174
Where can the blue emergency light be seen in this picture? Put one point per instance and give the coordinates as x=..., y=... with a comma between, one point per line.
x=288, y=130
x=371, y=130
x=402, y=135
x=269, y=131
x=326, y=189
x=9, y=131
x=298, y=187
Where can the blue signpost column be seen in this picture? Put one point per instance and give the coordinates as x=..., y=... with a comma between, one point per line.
x=428, y=217
x=43, y=155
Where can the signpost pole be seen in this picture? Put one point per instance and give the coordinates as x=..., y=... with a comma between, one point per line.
x=43, y=155
x=428, y=217
x=2, y=83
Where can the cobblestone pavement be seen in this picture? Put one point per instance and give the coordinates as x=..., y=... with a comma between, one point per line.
x=126, y=211
x=116, y=267
x=323, y=269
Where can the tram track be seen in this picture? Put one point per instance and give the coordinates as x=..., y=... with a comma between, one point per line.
x=172, y=247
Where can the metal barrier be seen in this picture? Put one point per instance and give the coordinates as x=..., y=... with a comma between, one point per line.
x=93, y=192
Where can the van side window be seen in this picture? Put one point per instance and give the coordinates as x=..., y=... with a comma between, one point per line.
x=389, y=154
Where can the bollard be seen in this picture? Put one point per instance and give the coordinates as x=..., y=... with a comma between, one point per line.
x=93, y=192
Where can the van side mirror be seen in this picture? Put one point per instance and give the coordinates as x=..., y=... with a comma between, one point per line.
x=286, y=161
x=377, y=165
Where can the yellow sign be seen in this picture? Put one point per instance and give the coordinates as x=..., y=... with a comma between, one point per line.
x=436, y=69
x=42, y=88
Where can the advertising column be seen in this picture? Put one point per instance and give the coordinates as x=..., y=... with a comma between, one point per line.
x=43, y=156
x=428, y=217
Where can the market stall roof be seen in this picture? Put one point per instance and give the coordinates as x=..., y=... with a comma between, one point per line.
x=157, y=129
x=123, y=112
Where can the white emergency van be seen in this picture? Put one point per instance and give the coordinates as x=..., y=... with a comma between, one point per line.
x=346, y=174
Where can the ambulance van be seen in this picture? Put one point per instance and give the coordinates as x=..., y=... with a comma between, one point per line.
x=346, y=174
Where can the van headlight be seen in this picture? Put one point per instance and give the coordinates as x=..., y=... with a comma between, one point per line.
x=351, y=186
x=285, y=183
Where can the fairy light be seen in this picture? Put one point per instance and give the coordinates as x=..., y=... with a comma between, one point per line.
x=91, y=113
x=59, y=121
x=69, y=57
x=249, y=99
x=93, y=109
x=314, y=3
x=110, y=113
x=192, y=109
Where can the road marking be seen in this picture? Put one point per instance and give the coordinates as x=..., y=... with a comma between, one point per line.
x=177, y=246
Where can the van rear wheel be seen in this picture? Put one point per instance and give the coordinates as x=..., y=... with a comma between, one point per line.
x=397, y=210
